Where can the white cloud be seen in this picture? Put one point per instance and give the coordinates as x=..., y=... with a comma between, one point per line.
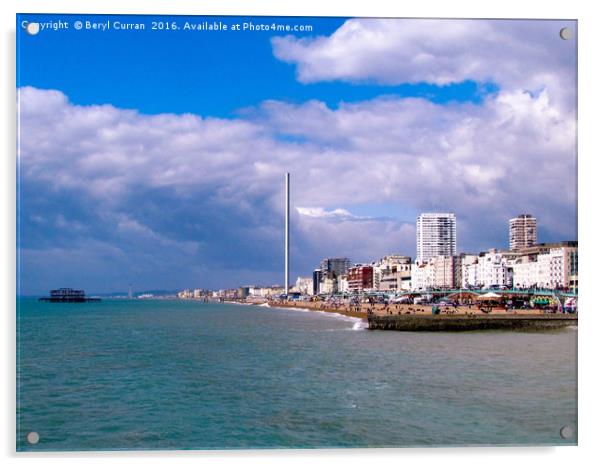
x=516, y=54
x=123, y=191
x=211, y=188
x=334, y=214
x=363, y=239
x=514, y=153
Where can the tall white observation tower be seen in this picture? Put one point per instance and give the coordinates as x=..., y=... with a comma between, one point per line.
x=287, y=178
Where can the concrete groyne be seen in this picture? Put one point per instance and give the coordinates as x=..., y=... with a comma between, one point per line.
x=458, y=323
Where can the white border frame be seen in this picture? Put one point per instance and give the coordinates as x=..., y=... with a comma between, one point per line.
x=590, y=80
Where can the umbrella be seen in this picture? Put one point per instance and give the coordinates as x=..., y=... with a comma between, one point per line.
x=541, y=301
x=489, y=297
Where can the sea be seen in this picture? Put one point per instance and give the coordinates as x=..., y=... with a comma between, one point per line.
x=167, y=374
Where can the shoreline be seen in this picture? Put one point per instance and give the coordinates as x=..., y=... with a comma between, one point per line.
x=306, y=306
x=309, y=306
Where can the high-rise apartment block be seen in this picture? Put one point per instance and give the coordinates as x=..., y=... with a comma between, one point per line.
x=522, y=232
x=435, y=236
x=338, y=265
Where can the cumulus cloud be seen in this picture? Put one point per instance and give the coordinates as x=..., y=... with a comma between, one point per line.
x=334, y=214
x=515, y=152
x=180, y=200
x=517, y=54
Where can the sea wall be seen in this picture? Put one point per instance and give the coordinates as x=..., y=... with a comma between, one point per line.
x=457, y=323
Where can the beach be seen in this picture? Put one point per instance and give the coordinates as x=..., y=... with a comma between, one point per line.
x=364, y=309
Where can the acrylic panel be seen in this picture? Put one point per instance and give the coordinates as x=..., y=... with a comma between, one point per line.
x=295, y=232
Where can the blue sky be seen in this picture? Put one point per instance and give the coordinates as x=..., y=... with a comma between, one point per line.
x=204, y=73
x=156, y=157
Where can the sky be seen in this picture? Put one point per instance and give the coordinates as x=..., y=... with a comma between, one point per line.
x=157, y=157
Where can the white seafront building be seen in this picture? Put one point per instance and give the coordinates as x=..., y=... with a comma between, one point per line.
x=493, y=269
x=439, y=272
x=443, y=273
x=342, y=283
x=547, y=265
x=488, y=269
x=470, y=272
x=552, y=266
x=304, y=285
x=423, y=276
x=549, y=268
x=392, y=273
x=265, y=291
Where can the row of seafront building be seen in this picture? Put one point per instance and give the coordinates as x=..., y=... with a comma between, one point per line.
x=525, y=264
x=546, y=265
x=256, y=291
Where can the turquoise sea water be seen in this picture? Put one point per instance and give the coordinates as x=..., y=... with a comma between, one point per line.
x=188, y=375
